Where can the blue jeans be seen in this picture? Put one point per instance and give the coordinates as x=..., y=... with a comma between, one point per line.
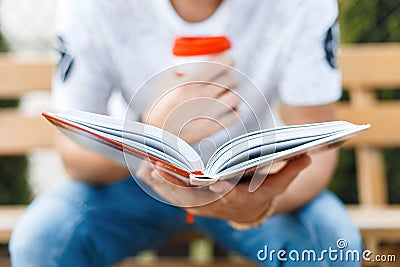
x=83, y=225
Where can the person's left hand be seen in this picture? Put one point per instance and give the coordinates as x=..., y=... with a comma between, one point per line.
x=235, y=203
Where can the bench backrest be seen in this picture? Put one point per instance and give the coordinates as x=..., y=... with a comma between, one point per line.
x=366, y=69
x=21, y=132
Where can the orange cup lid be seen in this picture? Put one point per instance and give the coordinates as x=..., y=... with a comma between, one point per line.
x=197, y=46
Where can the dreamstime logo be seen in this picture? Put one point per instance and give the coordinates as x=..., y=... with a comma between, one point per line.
x=341, y=243
x=339, y=253
x=210, y=105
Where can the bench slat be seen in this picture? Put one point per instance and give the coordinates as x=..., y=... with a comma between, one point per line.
x=382, y=221
x=370, y=66
x=184, y=263
x=18, y=77
x=371, y=179
x=9, y=216
x=382, y=116
x=370, y=219
x=20, y=133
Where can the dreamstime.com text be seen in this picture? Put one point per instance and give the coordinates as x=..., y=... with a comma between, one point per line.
x=339, y=253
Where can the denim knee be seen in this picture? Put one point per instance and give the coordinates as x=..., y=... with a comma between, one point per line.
x=43, y=230
x=331, y=223
x=82, y=225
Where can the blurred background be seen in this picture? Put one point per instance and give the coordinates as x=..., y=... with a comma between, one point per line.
x=27, y=29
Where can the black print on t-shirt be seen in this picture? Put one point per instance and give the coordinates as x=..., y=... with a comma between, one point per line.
x=65, y=61
x=331, y=45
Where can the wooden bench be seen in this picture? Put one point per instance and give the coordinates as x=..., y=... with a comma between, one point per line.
x=366, y=69
x=21, y=133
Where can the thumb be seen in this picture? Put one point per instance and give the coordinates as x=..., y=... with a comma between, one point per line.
x=220, y=187
x=278, y=182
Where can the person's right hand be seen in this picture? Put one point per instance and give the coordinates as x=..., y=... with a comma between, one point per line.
x=197, y=104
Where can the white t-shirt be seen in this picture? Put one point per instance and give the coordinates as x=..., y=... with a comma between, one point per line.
x=284, y=46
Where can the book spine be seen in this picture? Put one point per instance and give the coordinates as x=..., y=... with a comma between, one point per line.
x=197, y=178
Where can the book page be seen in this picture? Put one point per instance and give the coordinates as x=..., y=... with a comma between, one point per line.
x=262, y=165
x=136, y=133
x=112, y=149
x=329, y=141
x=262, y=143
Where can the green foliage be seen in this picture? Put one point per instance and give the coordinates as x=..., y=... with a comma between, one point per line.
x=13, y=183
x=9, y=103
x=13, y=179
x=3, y=46
x=14, y=188
x=344, y=182
x=392, y=159
x=369, y=21
x=388, y=95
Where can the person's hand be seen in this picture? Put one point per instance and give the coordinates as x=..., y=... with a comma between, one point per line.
x=198, y=104
x=237, y=203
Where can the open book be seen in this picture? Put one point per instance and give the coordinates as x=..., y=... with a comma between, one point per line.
x=125, y=141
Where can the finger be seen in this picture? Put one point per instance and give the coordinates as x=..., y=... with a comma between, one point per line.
x=208, y=71
x=208, y=88
x=229, y=118
x=222, y=122
x=219, y=86
x=175, y=191
x=159, y=174
x=157, y=177
x=221, y=187
x=233, y=195
x=230, y=99
x=210, y=126
x=213, y=108
x=144, y=171
x=163, y=189
x=277, y=183
x=207, y=126
x=227, y=80
x=205, y=211
x=224, y=59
